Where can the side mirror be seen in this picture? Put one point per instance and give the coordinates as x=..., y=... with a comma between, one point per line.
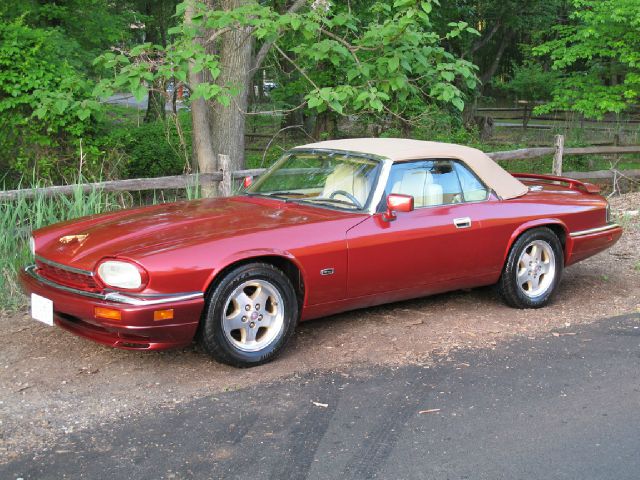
x=397, y=202
x=247, y=181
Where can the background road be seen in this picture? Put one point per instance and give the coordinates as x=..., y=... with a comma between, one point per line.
x=564, y=406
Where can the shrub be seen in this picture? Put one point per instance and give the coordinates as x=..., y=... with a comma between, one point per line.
x=152, y=149
x=45, y=102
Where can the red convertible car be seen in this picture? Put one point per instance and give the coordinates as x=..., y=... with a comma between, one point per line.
x=331, y=226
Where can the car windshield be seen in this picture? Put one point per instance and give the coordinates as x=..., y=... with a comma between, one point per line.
x=327, y=179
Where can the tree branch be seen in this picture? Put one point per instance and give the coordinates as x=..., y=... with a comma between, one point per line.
x=302, y=72
x=484, y=40
x=216, y=34
x=266, y=149
x=264, y=49
x=490, y=72
x=347, y=45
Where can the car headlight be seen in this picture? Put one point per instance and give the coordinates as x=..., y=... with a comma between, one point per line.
x=32, y=246
x=122, y=274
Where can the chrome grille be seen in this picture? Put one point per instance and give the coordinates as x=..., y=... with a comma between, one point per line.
x=66, y=276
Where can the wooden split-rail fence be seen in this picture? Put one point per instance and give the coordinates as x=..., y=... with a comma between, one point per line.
x=226, y=179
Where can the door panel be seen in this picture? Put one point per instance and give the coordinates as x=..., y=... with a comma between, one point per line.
x=424, y=247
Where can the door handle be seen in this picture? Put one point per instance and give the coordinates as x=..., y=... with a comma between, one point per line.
x=464, y=222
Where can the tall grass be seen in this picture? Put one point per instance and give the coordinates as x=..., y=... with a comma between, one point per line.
x=19, y=217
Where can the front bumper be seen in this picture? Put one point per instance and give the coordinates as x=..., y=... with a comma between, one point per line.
x=73, y=310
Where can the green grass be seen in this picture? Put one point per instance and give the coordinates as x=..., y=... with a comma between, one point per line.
x=19, y=217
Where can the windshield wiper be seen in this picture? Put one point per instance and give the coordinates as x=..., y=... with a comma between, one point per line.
x=278, y=194
x=330, y=200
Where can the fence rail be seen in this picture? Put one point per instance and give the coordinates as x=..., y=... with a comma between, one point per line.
x=525, y=112
x=225, y=179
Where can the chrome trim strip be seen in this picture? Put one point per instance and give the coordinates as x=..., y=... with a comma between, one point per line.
x=117, y=297
x=582, y=233
x=64, y=267
x=121, y=298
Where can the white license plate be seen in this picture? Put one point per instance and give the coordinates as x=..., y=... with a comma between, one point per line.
x=41, y=309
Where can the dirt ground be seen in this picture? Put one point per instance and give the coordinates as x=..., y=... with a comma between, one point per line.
x=53, y=383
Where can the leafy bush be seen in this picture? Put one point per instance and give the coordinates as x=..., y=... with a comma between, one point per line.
x=45, y=100
x=531, y=82
x=151, y=149
x=438, y=124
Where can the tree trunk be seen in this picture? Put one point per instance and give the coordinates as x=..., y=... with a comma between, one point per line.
x=228, y=123
x=488, y=74
x=156, y=103
x=203, y=152
x=321, y=126
x=155, y=33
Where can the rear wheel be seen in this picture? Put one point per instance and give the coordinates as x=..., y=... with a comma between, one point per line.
x=250, y=316
x=533, y=269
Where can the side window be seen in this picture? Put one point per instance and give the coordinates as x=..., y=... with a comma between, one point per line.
x=445, y=177
x=472, y=188
x=429, y=182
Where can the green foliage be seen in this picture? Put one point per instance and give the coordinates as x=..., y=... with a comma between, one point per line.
x=531, y=82
x=90, y=25
x=439, y=125
x=377, y=59
x=388, y=59
x=45, y=102
x=599, y=55
x=152, y=149
x=507, y=28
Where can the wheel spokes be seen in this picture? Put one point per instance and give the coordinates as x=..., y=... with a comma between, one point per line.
x=523, y=275
x=243, y=299
x=535, y=253
x=536, y=268
x=254, y=315
x=535, y=283
x=248, y=334
x=545, y=268
x=267, y=320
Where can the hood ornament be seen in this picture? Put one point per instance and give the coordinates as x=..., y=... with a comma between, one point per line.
x=73, y=238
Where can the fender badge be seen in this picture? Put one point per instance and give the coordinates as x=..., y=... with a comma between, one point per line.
x=72, y=238
x=327, y=271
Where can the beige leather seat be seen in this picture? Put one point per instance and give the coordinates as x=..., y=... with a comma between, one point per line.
x=419, y=184
x=347, y=178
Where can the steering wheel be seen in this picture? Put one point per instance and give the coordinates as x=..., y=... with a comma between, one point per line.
x=353, y=199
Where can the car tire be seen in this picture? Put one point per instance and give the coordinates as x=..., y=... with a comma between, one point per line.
x=533, y=270
x=250, y=315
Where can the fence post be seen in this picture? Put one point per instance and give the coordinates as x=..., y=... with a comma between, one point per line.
x=557, y=157
x=225, y=187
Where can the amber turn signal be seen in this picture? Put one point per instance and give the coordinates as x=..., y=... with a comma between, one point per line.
x=163, y=314
x=107, y=313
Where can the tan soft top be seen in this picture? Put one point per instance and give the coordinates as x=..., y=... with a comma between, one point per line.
x=401, y=149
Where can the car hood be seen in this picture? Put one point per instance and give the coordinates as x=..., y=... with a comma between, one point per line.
x=143, y=231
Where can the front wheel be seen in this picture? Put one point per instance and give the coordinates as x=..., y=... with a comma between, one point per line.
x=250, y=315
x=533, y=270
